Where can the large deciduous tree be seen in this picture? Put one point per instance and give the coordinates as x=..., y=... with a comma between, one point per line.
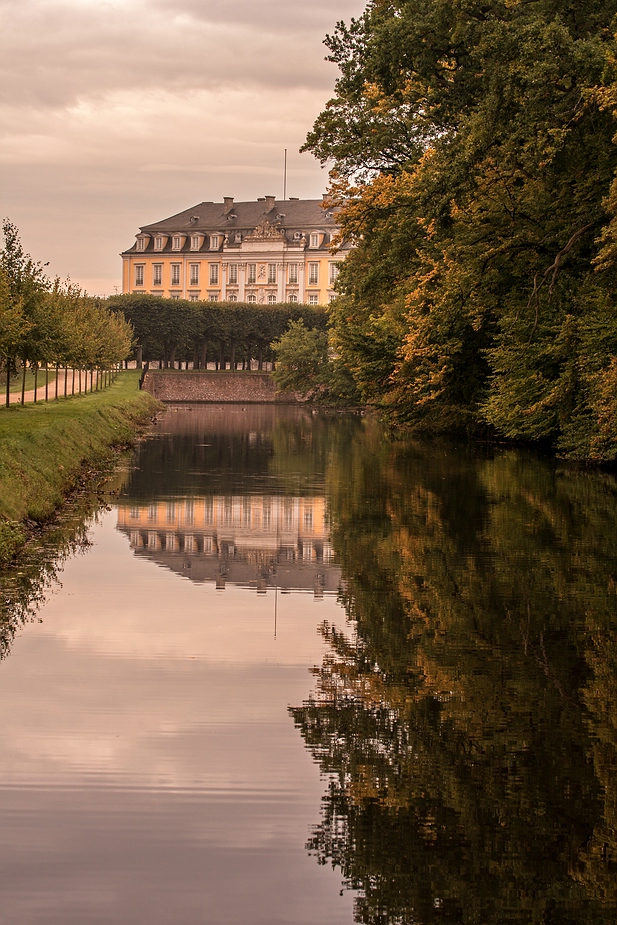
x=473, y=160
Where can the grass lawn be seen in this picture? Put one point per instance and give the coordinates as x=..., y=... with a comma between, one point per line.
x=43, y=448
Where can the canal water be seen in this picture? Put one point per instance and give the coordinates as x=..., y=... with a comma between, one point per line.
x=287, y=671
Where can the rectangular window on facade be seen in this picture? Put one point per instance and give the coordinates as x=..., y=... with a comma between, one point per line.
x=213, y=297
x=194, y=274
x=334, y=269
x=251, y=298
x=313, y=274
x=139, y=275
x=271, y=299
x=292, y=298
x=158, y=243
x=175, y=274
x=175, y=295
x=271, y=273
x=189, y=511
x=141, y=244
x=232, y=298
x=195, y=242
x=313, y=299
x=233, y=274
x=214, y=242
x=208, y=510
x=157, y=274
x=293, y=273
x=252, y=272
x=194, y=297
x=214, y=274
x=314, y=241
x=177, y=242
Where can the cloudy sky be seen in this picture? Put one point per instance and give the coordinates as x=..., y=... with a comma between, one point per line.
x=116, y=113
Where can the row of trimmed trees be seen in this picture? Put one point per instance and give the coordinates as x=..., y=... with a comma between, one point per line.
x=46, y=323
x=226, y=334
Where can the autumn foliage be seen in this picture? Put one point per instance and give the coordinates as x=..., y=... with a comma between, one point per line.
x=473, y=161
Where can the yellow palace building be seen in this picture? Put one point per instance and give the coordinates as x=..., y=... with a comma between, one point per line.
x=264, y=251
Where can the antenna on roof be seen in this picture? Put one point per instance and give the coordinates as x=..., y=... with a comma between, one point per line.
x=285, y=178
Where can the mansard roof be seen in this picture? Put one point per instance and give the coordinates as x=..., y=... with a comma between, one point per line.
x=212, y=217
x=291, y=220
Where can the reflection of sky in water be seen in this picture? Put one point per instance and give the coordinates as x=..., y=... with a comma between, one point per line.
x=149, y=768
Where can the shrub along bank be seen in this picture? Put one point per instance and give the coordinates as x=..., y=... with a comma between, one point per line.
x=44, y=448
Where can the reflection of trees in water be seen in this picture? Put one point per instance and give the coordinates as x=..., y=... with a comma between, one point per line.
x=468, y=716
x=205, y=452
x=25, y=586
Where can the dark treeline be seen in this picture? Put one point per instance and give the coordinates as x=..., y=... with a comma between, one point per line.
x=474, y=162
x=226, y=334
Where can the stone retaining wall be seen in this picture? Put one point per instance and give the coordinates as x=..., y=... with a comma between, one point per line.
x=171, y=385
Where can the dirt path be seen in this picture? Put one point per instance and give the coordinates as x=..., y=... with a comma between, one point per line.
x=15, y=398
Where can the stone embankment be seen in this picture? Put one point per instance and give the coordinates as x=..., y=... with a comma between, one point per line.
x=169, y=385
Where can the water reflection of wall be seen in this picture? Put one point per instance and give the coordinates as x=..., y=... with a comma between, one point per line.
x=255, y=540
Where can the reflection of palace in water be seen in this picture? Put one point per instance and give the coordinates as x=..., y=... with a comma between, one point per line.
x=258, y=541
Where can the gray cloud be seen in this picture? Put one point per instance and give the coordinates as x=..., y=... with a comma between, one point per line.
x=54, y=53
x=133, y=109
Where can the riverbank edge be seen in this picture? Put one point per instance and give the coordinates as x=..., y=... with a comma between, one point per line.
x=47, y=449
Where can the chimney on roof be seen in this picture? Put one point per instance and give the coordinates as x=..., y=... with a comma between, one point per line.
x=228, y=204
x=270, y=200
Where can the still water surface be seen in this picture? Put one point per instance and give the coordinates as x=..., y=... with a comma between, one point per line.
x=299, y=674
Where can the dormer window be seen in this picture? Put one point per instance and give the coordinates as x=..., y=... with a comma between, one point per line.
x=141, y=244
x=238, y=237
x=214, y=242
x=158, y=243
x=314, y=240
x=195, y=242
x=297, y=235
x=176, y=242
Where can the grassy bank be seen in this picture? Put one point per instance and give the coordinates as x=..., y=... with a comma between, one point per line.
x=44, y=448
